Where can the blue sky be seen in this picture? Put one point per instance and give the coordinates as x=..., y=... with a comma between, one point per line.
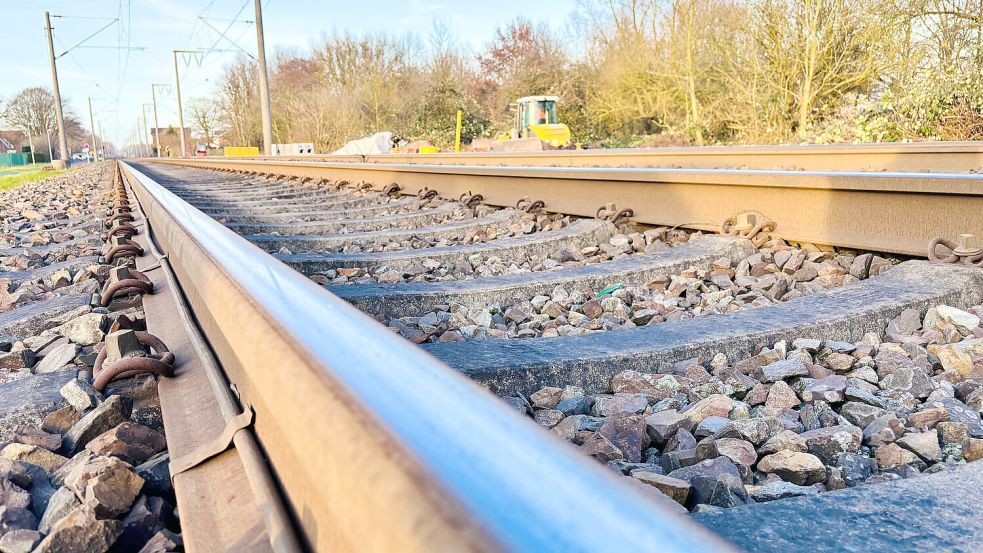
x=119, y=82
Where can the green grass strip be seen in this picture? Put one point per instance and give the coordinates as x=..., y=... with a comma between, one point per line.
x=12, y=181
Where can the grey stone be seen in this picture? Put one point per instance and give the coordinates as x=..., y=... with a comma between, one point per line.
x=543, y=417
x=883, y=430
x=31, y=319
x=855, y=468
x=15, y=518
x=663, y=425
x=28, y=401
x=676, y=489
x=825, y=414
x=80, y=395
x=619, y=404
x=709, y=467
x=80, y=531
x=710, y=426
x=721, y=490
x=860, y=414
x=569, y=427
x=830, y=389
x=959, y=412
x=855, y=393
x=780, y=490
x=682, y=439
x=906, y=323
x=40, y=489
x=15, y=472
x=678, y=459
x=13, y=495
x=579, y=405
x=755, y=430
x=628, y=434
x=793, y=466
x=57, y=358
x=156, y=476
x=22, y=359
x=910, y=379
x=145, y=519
x=786, y=439
x=86, y=330
x=114, y=411
x=827, y=443
x=164, y=541
x=19, y=541
x=780, y=370
x=924, y=444
x=34, y=455
x=62, y=502
x=106, y=484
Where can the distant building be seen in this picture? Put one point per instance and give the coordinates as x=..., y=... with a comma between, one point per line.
x=12, y=142
x=170, y=141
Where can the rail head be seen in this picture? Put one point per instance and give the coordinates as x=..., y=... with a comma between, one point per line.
x=376, y=444
x=911, y=156
x=874, y=211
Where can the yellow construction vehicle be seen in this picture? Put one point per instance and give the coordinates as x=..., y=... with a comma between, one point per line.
x=536, y=127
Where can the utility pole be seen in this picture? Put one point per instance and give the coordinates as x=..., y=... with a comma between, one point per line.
x=141, y=147
x=264, y=86
x=180, y=110
x=146, y=131
x=92, y=127
x=62, y=139
x=101, y=136
x=30, y=141
x=153, y=94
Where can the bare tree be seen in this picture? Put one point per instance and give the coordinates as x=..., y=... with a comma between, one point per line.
x=205, y=118
x=239, y=104
x=32, y=111
x=650, y=72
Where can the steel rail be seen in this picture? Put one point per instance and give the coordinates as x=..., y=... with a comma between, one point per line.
x=948, y=157
x=376, y=445
x=879, y=211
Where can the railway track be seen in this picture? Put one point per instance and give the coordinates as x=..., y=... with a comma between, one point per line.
x=914, y=157
x=756, y=381
x=684, y=388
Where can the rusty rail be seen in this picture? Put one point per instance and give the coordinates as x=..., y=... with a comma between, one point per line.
x=943, y=157
x=376, y=445
x=879, y=211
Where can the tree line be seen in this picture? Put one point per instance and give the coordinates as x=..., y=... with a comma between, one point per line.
x=643, y=72
x=627, y=72
x=32, y=112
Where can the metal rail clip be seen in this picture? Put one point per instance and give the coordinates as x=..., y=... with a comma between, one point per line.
x=609, y=212
x=966, y=250
x=124, y=355
x=750, y=224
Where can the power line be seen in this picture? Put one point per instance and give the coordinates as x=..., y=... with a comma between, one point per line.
x=81, y=42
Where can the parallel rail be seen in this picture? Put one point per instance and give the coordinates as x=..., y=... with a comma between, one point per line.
x=941, y=157
x=376, y=445
x=898, y=212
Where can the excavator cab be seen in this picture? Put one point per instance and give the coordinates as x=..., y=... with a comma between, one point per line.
x=536, y=117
